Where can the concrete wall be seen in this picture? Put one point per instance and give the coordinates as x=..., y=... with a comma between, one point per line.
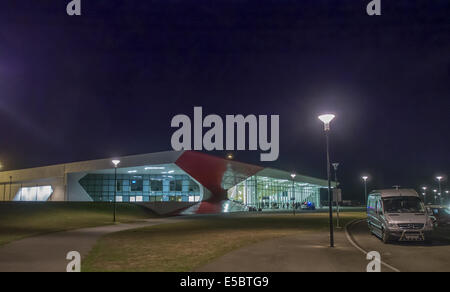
x=67, y=187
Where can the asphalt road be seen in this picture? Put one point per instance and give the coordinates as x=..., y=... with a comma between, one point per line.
x=406, y=257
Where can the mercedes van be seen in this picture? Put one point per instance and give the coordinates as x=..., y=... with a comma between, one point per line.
x=398, y=214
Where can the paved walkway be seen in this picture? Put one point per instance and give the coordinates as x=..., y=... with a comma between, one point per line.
x=306, y=252
x=47, y=253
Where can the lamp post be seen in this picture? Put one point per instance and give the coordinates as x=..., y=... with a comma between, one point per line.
x=424, y=194
x=326, y=119
x=439, y=178
x=115, y=162
x=10, y=188
x=335, y=166
x=365, y=188
x=293, y=175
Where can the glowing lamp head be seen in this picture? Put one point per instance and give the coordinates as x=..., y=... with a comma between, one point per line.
x=439, y=178
x=434, y=191
x=230, y=156
x=424, y=188
x=326, y=119
x=365, y=178
x=293, y=175
x=116, y=162
x=335, y=165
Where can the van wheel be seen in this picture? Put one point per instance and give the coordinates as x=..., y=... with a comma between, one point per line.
x=385, y=237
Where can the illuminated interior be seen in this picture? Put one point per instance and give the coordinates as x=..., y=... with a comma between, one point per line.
x=271, y=193
x=155, y=183
x=34, y=194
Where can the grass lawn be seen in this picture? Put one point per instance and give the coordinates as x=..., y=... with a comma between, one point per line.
x=187, y=245
x=19, y=220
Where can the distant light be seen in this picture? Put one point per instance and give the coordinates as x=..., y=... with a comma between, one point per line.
x=439, y=178
x=154, y=167
x=230, y=156
x=424, y=188
x=116, y=162
x=132, y=171
x=293, y=175
x=171, y=171
x=434, y=191
x=365, y=178
x=326, y=119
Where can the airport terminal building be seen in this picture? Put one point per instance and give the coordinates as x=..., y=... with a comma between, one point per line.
x=189, y=181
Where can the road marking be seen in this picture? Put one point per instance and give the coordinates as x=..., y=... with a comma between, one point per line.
x=352, y=242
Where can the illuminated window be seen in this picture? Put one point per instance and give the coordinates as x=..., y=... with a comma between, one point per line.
x=36, y=194
x=136, y=184
x=156, y=185
x=176, y=185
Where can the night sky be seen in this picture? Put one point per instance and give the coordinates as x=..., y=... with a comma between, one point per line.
x=109, y=82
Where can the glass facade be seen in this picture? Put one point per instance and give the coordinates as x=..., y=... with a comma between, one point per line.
x=270, y=193
x=137, y=187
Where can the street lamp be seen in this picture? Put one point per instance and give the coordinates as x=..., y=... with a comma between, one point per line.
x=439, y=178
x=115, y=162
x=365, y=188
x=424, y=193
x=335, y=166
x=326, y=119
x=293, y=175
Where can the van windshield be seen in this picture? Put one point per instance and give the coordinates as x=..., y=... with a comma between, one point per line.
x=403, y=205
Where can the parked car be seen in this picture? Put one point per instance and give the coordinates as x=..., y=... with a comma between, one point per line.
x=440, y=216
x=398, y=214
x=308, y=206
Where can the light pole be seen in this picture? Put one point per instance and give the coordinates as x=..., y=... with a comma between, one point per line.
x=365, y=188
x=10, y=188
x=439, y=178
x=326, y=119
x=115, y=162
x=335, y=166
x=293, y=175
x=424, y=194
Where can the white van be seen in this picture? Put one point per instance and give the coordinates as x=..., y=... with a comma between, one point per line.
x=398, y=214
